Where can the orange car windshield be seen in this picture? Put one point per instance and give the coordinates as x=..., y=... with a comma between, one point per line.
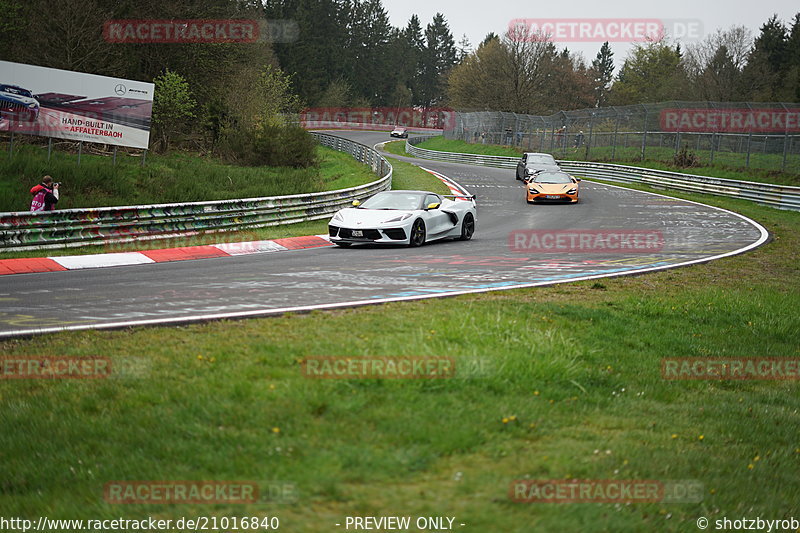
x=545, y=177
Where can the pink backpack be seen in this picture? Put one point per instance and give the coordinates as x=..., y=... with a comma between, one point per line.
x=37, y=204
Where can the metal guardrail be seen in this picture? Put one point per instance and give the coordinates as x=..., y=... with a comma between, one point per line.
x=498, y=161
x=77, y=227
x=780, y=196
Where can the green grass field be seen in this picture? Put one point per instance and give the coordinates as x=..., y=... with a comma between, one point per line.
x=555, y=383
x=726, y=165
x=176, y=177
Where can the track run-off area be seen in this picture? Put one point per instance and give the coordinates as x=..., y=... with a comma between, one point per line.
x=331, y=277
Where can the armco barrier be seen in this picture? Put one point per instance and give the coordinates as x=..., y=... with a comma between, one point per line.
x=77, y=227
x=780, y=196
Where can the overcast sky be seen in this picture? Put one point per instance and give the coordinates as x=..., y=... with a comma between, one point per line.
x=476, y=19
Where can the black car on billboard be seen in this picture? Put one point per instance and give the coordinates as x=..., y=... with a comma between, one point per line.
x=18, y=103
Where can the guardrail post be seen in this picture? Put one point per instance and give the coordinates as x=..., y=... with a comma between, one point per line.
x=749, y=139
x=11, y=145
x=80, y=150
x=713, y=144
x=49, y=148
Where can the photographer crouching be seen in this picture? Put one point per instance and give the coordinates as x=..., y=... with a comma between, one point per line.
x=45, y=195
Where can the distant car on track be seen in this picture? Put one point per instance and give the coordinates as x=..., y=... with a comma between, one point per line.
x=531, y=163
x=400, y=132
x=552, y=186
x=18, y=103
x=404, y=217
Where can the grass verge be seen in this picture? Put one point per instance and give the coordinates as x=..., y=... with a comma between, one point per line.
x=569, y=386
x=176, y=177
x=724, y=166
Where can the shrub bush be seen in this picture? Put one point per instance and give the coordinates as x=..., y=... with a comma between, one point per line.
x=274, y=146
x=686, y=159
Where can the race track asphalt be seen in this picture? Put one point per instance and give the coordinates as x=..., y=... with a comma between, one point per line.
x=329, y=277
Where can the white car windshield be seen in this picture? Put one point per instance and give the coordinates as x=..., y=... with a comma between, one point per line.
x=401, y=201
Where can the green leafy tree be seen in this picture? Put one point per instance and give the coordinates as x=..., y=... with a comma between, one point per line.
x=173, y=105
x=792, y=79
x=762, y=77
x=439, y=56
x=652, y=72
x=714, y=65
x=412, y=57
x=602, y=73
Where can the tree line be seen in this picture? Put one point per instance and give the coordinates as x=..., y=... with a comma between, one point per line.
x=525, y=72
x=347, y=54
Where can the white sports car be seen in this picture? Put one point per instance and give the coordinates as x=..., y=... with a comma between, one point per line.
x=404, y=217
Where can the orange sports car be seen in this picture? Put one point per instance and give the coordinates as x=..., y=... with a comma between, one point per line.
x=552, y=186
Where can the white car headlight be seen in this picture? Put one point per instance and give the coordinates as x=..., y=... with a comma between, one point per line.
x=338, y=216
x=572, y=191
x=397, y=219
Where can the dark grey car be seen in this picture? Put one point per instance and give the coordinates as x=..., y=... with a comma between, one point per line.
x=532, y=162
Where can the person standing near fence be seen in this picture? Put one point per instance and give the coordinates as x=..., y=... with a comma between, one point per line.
x=579, y=139
x=45, y=195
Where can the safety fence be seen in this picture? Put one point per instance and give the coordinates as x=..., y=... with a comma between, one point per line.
x=780, y=196
x=78, y=227
x=763, y=135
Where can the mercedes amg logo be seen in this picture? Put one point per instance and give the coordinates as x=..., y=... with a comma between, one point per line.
x=120, y=89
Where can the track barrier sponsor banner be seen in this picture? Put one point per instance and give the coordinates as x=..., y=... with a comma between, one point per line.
x=75, y=105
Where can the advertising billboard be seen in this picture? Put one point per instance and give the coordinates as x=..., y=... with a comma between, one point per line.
x=74, y=105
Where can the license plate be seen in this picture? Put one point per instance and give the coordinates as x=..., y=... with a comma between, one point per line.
x=358, y=233
x=553, y=197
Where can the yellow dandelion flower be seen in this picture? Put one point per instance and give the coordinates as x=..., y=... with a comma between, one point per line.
x=199, y=357
x=701, y=437
x=276, y=430
x=536, y=393
x=513, y=418
x=750, y=466
x=713, y=491
x=272, y=386
x=505, y=420
x=532, y=426
x=674, y=435
x=756, y=458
